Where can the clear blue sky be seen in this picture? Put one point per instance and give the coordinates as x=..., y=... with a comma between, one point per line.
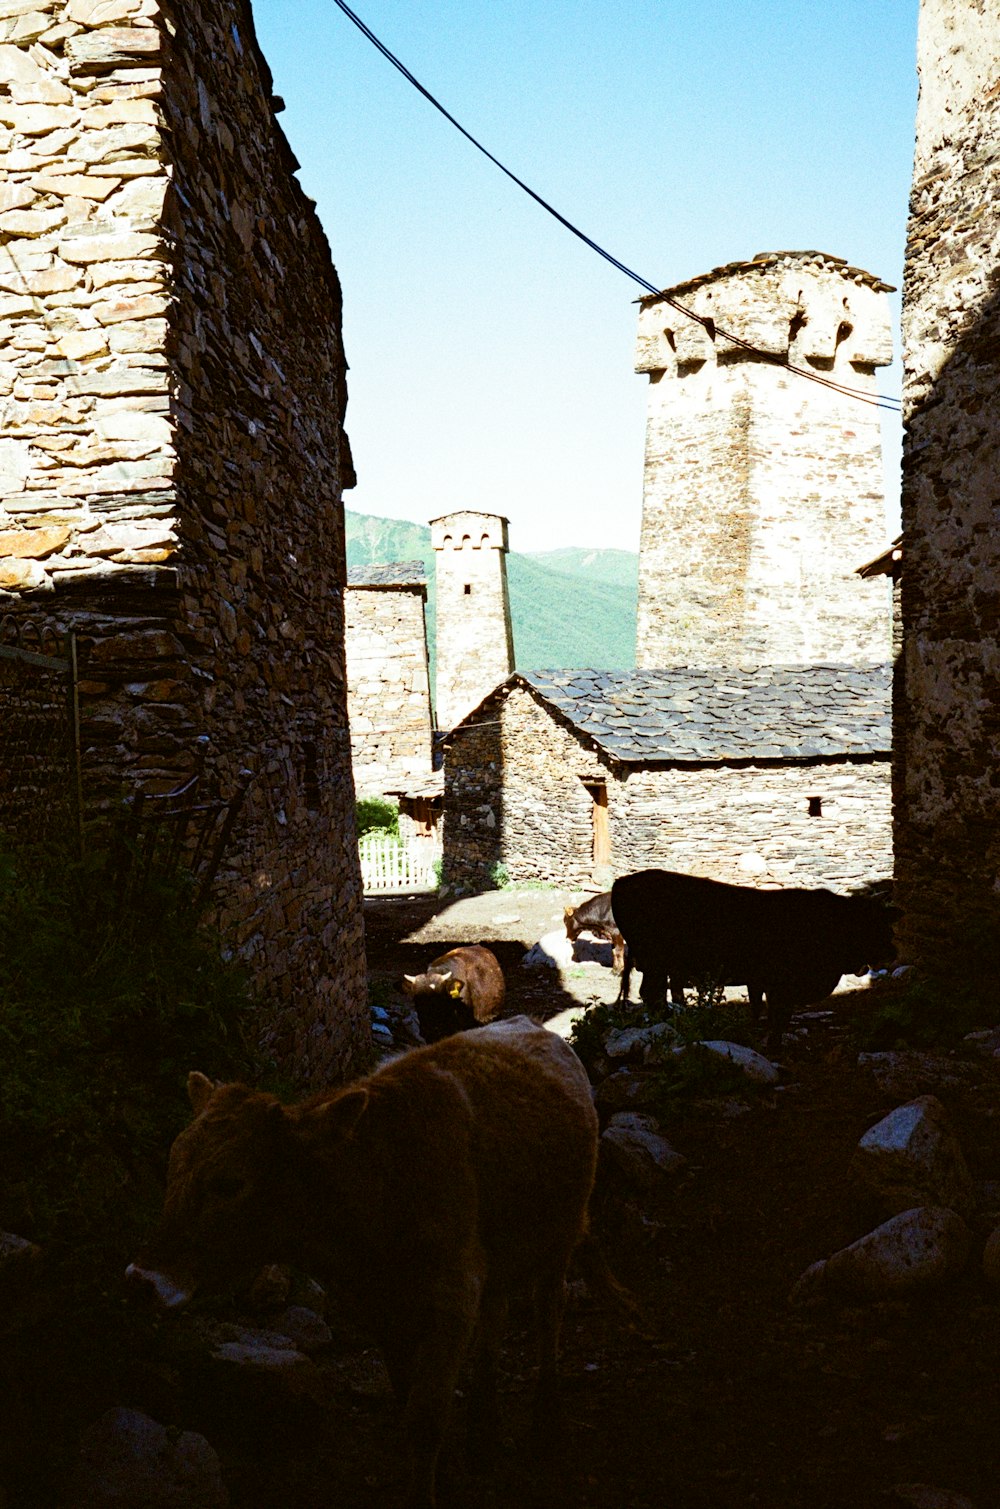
x=490, y=351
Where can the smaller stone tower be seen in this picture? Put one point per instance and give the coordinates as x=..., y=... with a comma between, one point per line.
x=475, y=646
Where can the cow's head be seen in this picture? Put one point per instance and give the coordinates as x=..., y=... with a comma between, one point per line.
x=225, y=1213
x=435, y=982
x=569, y=918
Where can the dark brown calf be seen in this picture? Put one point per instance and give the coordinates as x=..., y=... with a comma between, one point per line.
x=426, y=1192
x=460, y=989
x=595, y=916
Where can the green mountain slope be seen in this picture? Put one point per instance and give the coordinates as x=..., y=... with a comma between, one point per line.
x=570, y=608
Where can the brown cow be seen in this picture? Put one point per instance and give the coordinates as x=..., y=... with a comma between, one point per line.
x=460, y=989
x=425, y=1192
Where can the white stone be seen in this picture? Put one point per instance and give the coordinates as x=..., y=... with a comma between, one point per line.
x=127, y=1458
x=912, y=1157
x=31, y=222
x=633, y=1147
x=117, y=246
x=131, y=424
x=15, y=465
x=37, y=120
x=552, y=951
x=754, y=1065
x=914, y=1250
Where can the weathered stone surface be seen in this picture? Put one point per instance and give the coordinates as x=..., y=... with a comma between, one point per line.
x=906, y=1074
x=128, y=1459
x=763, y=492
x=475, y=647
x=947, y=800
x=388, y=686
x=633, y=1150
x=756, y=1068
x=516, y=761
x=22, y=576
x=914, y=1250
x=32, y=544
x=188, y=386
x=111, y=46
x=912, y=1157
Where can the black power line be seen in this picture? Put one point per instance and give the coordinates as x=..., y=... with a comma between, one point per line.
x=878, y=400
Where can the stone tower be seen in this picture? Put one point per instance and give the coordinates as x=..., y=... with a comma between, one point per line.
x=475, y=646
x=946, y=804
x=763, y=490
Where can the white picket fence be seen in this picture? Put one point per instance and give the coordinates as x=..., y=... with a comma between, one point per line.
x=388, y=865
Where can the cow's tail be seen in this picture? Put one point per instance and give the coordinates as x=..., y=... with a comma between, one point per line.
x=625, y=987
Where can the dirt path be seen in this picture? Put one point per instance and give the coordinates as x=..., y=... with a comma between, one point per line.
x=726, y=1398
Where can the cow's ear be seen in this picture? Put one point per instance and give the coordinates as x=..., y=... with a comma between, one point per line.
x=200, y=1091
x=567, y=912
x=340, y=1117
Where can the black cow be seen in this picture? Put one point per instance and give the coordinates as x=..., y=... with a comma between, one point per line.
x=595, y=916
x=790, y=946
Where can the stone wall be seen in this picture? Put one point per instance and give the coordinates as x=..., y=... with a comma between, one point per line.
x=173, y=454
x=516, y=793
x=763, y=490
x=388, y=688
x=474, y=641
x=947, y=725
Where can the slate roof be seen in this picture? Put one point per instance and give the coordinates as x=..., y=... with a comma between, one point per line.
x=409, y=574
x=720, y=714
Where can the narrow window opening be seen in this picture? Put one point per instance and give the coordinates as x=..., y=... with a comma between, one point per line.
x=815, y=806
x=798, y=320
x=467, y=589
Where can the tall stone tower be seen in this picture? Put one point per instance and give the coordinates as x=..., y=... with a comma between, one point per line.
x=763, y=490
x=475, y=646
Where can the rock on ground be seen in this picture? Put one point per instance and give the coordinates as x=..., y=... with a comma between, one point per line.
x=128, y=1460
x=912, y=1157
x=915, y=1250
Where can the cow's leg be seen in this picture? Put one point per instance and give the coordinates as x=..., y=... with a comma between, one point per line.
x=617, y=953
x=780, y=1004
x=550, y=1301
x=677, y=991
x=481, y=1414
x=653, y=990
x=434, y=1366
x=755, y=992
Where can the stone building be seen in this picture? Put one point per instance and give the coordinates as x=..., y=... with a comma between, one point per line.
x=388, y=683
x=475, y=645
x=388, y=692
x=773, y=776
x=947, y=714
x=763, y=490
x=173, y=454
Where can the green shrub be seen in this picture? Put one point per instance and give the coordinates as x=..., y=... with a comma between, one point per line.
x=375, y=814
x=106, y=1003
x=938, y=1005
x=500, y=876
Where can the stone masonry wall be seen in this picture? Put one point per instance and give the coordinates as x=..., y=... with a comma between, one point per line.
x=947, y=718
x=763, y=490
x=388, y=689
x=172, y=379
x=475, y=645
x=744, y=824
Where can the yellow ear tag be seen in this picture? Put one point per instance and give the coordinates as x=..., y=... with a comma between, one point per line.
x=455, y=991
